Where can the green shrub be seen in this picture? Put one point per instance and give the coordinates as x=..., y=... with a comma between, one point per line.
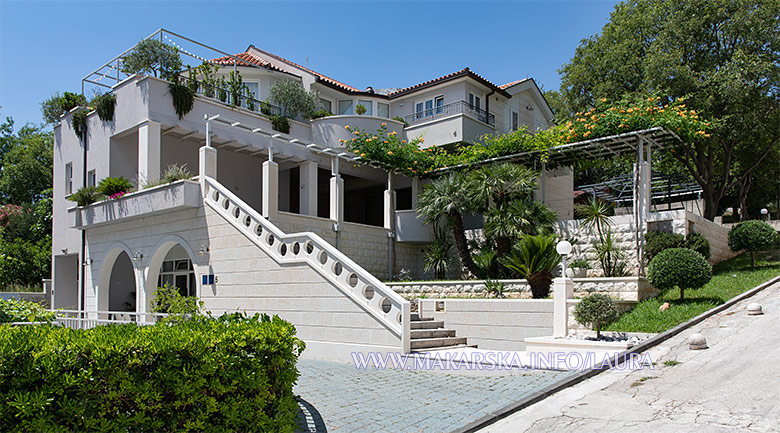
x=679, y=267
x=360, y=109
x=321, y=113
x=752, y=236
x=114, y=185
x=168, y=299
x=495, y=288
x=401, y=119
x=281, y=124
x=597, y=309
x=153, y=56
x=698, y=243
x=228, y=374
x=104, y=106
x=86, y=195
x=293, y=99
x=655, y=242
x=13, y=310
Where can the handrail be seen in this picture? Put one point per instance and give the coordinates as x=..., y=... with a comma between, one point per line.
x=450, y=109
x=378, y=300
x=76, y=319
x=245, y=101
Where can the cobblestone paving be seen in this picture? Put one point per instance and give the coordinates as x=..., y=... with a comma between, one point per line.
x=339, y=397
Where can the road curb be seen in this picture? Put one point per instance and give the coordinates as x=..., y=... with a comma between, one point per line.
x=618, y=359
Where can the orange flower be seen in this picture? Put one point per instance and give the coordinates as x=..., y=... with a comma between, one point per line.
x=390, y=152
x=384, y=124
x=346, y=127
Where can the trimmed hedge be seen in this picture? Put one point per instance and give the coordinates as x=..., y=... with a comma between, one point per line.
x=679, y=267
x=235, y=373
x=655, y=242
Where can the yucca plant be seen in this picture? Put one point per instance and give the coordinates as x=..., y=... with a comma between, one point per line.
x=438, y=255
x=534, y=258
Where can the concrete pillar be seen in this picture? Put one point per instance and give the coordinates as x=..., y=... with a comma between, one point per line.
x=270, y=190
x=308, y=181
x=563, y=290
x=389, y=202
x=415, y=191
x=336, y=193
x=207, y=165
x=148, y=152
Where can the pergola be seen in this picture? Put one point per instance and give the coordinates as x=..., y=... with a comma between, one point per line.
x=663, y=189
x=640, y=143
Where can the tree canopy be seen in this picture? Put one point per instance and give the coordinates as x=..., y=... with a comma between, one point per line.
x=722, y=55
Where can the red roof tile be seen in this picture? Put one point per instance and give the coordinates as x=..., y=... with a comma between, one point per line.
x=507, y=85
x=452, y=76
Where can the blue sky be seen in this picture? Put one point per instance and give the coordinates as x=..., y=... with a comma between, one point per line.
x=47, y=47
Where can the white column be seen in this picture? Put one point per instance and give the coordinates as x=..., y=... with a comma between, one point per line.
x=308, y=181
x=207, y=165
x=389, y=208
x=270, y=190
x=336, y=193
x=148, y=152
x=415, y=191
x=563, y=290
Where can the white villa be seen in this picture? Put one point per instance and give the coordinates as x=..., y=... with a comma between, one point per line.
x=280, y=223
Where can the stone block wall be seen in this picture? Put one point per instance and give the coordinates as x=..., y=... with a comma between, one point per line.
x=626, y=288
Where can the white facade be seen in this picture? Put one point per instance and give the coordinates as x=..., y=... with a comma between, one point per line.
x=295, y=183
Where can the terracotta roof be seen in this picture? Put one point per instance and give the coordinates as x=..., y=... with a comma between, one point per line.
x=463, y=72
x=249, y=60
x=319, y=76
x=507, y=85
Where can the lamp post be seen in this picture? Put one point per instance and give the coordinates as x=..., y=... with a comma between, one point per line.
x=564, y=249
x=764, y=213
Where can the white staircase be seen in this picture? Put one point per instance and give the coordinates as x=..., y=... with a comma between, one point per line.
x=381, y=302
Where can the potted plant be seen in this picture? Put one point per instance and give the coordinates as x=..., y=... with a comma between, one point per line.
x=578, y=268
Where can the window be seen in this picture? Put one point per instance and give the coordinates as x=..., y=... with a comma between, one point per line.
x=69, y=178
x=345, y=107
x=369, y=105
x=474, y=102
x=177, y=270
x=514, y=121
x=382, y=110
x=426, y=108
x=326, y=105
x=91, y=178
x=253, y=92
x=439, y=103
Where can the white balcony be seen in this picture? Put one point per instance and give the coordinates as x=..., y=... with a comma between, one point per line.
x=179, y=195
x=329, y=130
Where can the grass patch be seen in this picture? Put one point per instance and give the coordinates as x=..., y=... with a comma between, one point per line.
x=640, y=381
x=671, y=363
x=730, y=278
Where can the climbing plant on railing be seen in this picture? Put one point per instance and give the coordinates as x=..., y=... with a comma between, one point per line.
x=387, y=150
x=104, y=105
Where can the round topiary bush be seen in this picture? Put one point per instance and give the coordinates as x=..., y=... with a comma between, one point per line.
x=752, y=236
x=679, y=267
x=598, y=310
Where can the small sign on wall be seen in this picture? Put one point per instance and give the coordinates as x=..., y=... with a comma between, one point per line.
x=208, y=279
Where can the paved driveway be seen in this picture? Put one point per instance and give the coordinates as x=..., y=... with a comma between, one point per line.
x=338, y=397
x=733, y=386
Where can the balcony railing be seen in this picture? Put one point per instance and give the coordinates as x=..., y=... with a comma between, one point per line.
x=225, y=95
x=460, y=107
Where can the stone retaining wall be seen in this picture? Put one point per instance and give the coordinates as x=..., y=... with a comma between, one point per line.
x=625, y=288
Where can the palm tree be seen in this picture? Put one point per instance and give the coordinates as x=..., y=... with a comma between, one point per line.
x=502, y=183
x=447, y=197
x=438, y=255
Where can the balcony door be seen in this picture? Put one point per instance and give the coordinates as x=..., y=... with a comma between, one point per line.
x=425, y=108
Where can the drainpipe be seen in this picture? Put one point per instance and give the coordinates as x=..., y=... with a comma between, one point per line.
x=83, y=284
x=487, y=106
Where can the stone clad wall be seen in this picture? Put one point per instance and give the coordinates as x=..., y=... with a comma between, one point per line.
x=627, y=288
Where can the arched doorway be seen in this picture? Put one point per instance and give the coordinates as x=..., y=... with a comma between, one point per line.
x=117, y=284
x=172, y=262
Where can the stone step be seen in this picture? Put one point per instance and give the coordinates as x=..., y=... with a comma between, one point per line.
x=432, y=333
x=457, y=346
x=427, y=343
x=414, y=317
x=428, y=324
